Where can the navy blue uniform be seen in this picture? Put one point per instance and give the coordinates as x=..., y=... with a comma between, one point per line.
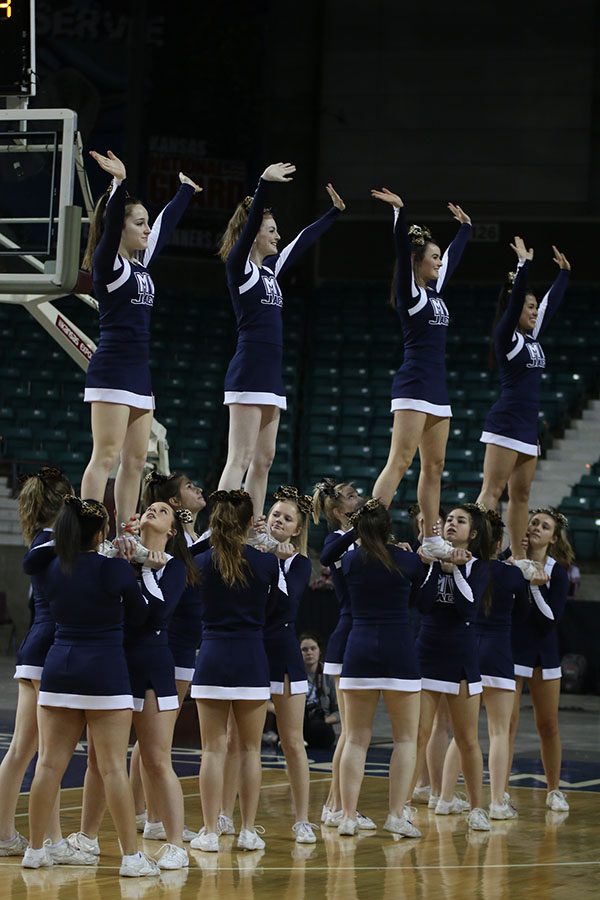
x=85, y=667
x=512, y=421
x=185, y=627
x=535, y=639
x=149, y=657
x=232, y=663
x=447, y=644
x=509, y=590
x=119, y=371
x=281, y=641
x=420, y=382
x=254, y=374
x=336, y=544
x=31, y=655
x=380, y=653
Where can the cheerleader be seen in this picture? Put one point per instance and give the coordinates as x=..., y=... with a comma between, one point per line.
x=232, y=670
x=337, y=502
x=535, y=643
x=380, y=658
x=447, y=646
x=121, y=246
x=419, y=395
x=509, y=592
x=253, y=384
x=41, y=498
x=510, y=431
x=85, y=678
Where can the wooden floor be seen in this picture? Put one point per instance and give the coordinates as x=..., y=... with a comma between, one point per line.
x=540, y=855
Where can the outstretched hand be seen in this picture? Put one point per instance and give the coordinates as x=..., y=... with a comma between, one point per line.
x=560, y=259
x=185, y=180
x=111, y=164
x=279, y=172
x=388, y=197
x=521, y=250
x=335, y=197
x=459, y=214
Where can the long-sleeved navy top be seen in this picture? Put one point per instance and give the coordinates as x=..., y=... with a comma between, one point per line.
x=379, y=596
x=255, y=292
x=163, y=589
x=296, y=572
x=39, y=555
x=125, y=290
x=509, y=591
x=423, y=313
x=547, y=602
x=237, y=611
x=336, y=544
x=455, y=602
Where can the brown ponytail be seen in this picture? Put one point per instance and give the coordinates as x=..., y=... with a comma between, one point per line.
x=230, y=519
x=41, y=498
x=235, y=226
x=97, y=227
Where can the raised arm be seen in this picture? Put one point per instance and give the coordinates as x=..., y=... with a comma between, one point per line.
x=509, y=320
x=290, y=254
x=553, y=298
x=455, y=250
x=406, y=289
x=114, y=215
x=335, y=546
x=166, y=221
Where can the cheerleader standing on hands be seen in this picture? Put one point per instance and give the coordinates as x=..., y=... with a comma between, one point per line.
x=121, y=246
x=420, y=400
x=510, y=431
x=254, y=388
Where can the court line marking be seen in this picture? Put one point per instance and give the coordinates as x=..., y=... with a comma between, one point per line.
x=262, y=869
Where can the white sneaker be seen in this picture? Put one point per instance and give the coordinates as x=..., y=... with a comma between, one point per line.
x=188, y=835
x=172, y=857
x=154, y=831
x=67, y=855
x=348, y=826
x=106, y=549
x=432, y=802
x=478, y=820
x=15, y=846
x=556, y=801
x=529, y=568
x=401, y=826
x=249, y=839
x=206, y=840
x=502, y=811
x=421, y=794
x=304, y=832
x=225, y=824
x=334, y=818
x=81, y=841
x=140, y=821
x=35, y=859
x=451, y=807
x=365, y=823
x=325, y=813
x=437, y=547
x=138, y=865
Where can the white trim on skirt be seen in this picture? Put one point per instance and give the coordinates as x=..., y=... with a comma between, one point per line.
x=432, y=409
x=332, y=668
x=254, y=398
x=496, y=681
x=450, y=687
x=215, y=692
x=34, y=672
x=112, y=395
x=488, y=437
x=296, y=687
x=163, y=703
x=547, y=674
x=182, y=674
x=380, y=684
x=85, y=701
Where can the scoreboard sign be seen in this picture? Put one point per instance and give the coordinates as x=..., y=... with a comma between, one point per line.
x=17, y=48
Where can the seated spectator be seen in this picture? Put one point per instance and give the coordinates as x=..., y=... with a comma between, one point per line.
x=321, y=703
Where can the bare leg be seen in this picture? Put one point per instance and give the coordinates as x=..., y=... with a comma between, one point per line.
x=403, y=709
x=517, y=513
x=110, y=733
x=498, y=465
x=429, y=705
x=133, y=459
x=262, y=458
x=514, y=725
x=250, y=718
x=212, y=715
x=231, y=769
x=23, y=747
x=432, y=450
x=406, y=435
x=546, y=696
x=464, y=711
x=109, y=427
x=53, y=829
x=451, y=772
x=244, y=427
x=499, y=706
x=360, y=711
x=94, y=799
x=137, y=784
x=334, y=799
x=437, y=745
x=289, y=709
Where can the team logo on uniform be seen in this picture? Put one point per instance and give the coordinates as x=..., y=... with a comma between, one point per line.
x=538, y=360
x=445, y=592
x=440, y=312
x=272, y=291
x=145, y=289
